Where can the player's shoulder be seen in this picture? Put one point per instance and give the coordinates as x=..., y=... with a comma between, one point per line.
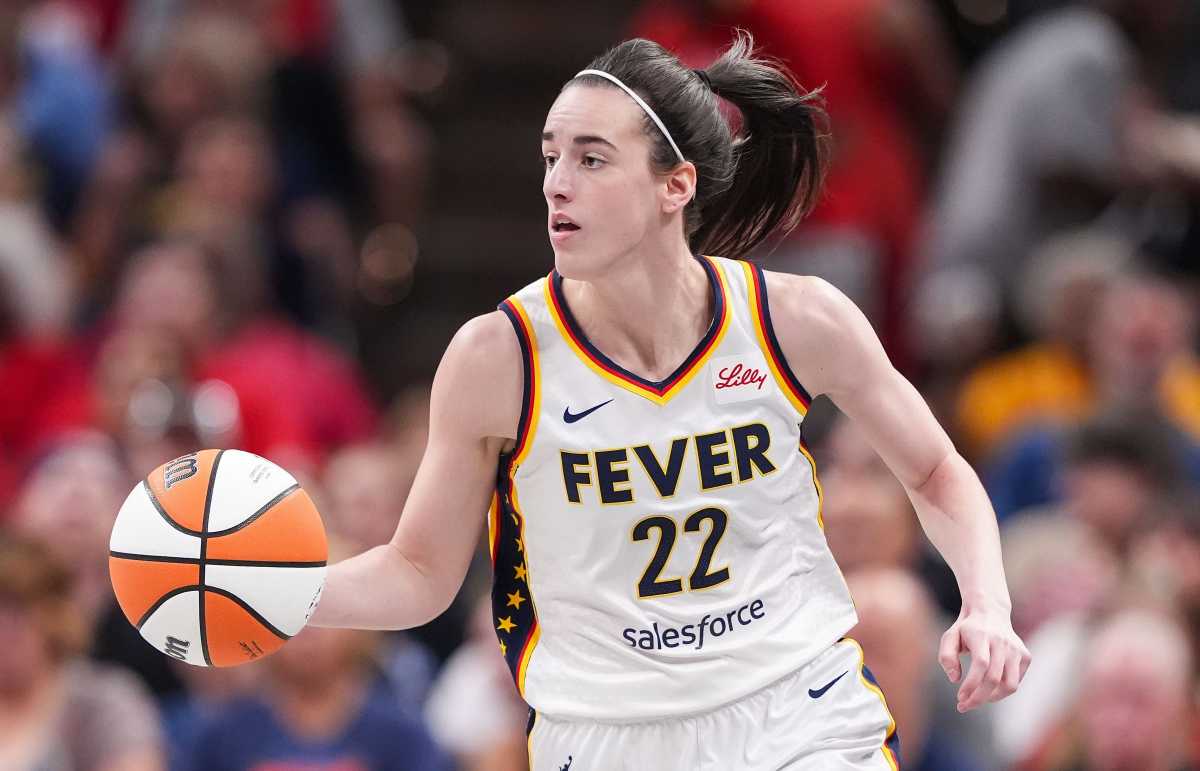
x=806, y=303
x=825, y=338
x=487, y=336
x=484, y=350
x=481, y=375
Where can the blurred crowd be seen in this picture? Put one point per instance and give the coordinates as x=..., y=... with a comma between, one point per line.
x=254, y=223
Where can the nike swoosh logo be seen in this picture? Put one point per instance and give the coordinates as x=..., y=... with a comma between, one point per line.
x=821, y=691
x=568, y=417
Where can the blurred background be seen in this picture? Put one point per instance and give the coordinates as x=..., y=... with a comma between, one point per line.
x=257, y=223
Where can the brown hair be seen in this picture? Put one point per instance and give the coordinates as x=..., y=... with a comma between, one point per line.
x=32, y=578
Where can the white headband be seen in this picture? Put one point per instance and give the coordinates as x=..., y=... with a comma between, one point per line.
x=641, y=103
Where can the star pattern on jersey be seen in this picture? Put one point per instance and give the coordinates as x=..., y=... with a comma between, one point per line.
x=514, y=613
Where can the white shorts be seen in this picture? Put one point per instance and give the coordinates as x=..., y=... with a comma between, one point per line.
x=829, y=714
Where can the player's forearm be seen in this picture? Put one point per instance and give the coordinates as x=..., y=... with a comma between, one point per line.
x=957, y=516
x=378, y=589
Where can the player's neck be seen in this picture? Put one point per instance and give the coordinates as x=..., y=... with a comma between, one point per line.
x=648, y=313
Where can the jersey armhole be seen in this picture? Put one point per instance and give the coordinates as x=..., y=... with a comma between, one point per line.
x=760, y=311
x=530, y=385
x=507, y=541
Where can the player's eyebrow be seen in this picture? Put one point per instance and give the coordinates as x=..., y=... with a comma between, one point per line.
x=582, y=139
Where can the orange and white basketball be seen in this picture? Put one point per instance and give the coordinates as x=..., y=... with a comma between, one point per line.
x=218, y=557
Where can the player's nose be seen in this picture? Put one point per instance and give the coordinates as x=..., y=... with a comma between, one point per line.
x=558, y=185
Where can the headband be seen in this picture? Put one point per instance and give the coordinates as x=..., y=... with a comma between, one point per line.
x=645, y=107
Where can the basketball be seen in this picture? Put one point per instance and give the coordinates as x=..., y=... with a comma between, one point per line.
x=218, y=557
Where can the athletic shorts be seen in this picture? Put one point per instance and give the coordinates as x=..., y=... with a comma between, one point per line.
x=829, y=715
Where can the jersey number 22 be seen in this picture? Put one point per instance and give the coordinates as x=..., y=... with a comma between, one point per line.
x=703, y=577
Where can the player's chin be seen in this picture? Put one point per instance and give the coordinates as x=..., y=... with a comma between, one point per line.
x=575, y=261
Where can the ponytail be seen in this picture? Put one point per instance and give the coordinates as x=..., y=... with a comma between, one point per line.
x=750, y=187
x=780, y=162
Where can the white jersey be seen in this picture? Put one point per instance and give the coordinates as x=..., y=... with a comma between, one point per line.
x=657, y=548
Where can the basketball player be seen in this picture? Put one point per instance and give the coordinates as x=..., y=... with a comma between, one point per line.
x=663, y=592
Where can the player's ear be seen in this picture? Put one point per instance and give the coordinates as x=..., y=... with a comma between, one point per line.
x=680, y=187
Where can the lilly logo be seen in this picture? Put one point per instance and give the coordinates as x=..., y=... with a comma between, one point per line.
x=740, y=378
x=737, y=375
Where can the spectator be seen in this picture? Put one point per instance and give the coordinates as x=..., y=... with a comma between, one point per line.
x=1142, y=348
x=34, y=275
x=64, y=107
x=209, y=62
x=1140, y=357
x=69, y=501
x=211, y=65
x=1049, y=379
x=1166, y=561
x=322, y=77
x=240, y=378
x=318, y=708
x=207, y=693
x=35, y=297
x=365, y=487
x=1134, y=698
x=1008, y=183
x=1103, y=549
x=60, y=711
x=359, y=34
x=137, y=388
x=1069, y=557
x=225, y=178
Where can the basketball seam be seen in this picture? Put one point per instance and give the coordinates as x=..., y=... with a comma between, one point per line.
x=159, y=602
x=267, y=564
x=230, y=563
x=208, y=496
x=154, y=558
x=250, y=520
x=215, y=590
x=254, y=613
x=163, y=512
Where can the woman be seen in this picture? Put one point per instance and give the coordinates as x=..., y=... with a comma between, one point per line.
x=319, y=707
x=58, y=712
x=663, y=592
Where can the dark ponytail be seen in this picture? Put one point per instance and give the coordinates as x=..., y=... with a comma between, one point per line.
x=760, y=183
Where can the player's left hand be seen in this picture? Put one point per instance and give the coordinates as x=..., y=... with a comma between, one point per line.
x=998, y=657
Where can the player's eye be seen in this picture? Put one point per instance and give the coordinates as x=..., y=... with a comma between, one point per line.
x=592, y=162
x=548, y=161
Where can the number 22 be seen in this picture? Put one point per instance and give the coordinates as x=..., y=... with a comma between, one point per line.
x=701, y=578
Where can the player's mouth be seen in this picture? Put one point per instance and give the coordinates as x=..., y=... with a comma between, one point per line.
x=561, y=227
